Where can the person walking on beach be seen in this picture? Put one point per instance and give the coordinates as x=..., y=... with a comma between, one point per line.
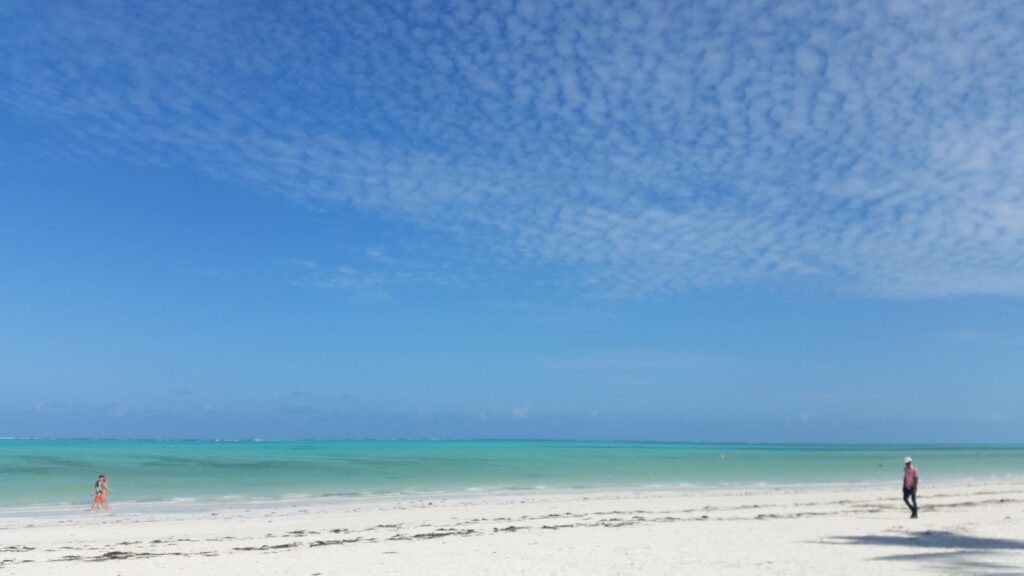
x=100, y=491
x=910, y=485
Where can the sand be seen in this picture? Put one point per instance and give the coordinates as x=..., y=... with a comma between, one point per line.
x=964, y=528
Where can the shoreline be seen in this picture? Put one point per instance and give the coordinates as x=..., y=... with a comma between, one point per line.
x=203, y=504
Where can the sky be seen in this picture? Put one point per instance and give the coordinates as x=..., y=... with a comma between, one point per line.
x=701, y=221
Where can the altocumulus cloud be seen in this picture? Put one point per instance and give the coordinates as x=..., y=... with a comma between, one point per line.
x=635, y=147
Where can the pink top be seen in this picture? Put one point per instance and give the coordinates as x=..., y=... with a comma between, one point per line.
x=910, y=476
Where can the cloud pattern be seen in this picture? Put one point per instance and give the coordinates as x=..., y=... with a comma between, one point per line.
x=628, y=148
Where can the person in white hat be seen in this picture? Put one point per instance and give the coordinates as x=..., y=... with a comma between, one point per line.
x=910, y=485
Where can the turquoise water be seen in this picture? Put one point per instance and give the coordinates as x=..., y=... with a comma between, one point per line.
x=62, y=471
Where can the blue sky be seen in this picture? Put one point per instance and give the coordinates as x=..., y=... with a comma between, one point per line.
x=746, y=221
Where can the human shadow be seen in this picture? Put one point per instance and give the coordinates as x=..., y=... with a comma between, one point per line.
x=956, y=553
x=935, y=539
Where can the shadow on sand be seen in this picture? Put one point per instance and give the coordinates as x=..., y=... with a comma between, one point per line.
x=949, y=551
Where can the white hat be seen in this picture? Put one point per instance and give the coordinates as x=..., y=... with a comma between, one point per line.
x=907, y=460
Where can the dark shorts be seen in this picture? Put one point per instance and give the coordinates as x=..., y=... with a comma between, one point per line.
x=909, y=491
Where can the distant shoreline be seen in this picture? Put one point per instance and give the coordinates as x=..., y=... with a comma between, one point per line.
x=853, y=445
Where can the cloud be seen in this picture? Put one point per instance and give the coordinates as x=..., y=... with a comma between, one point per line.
x=211, y=273
x=625, y=149
x=370, y=285
x=209, y=410
x=624, y=361
x=371, y=272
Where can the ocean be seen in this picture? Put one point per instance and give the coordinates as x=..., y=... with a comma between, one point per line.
x=44, y=472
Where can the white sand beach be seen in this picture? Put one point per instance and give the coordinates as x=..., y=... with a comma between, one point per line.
x=964, y=528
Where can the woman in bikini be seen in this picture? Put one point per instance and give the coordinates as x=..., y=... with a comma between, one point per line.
x=100, y=491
